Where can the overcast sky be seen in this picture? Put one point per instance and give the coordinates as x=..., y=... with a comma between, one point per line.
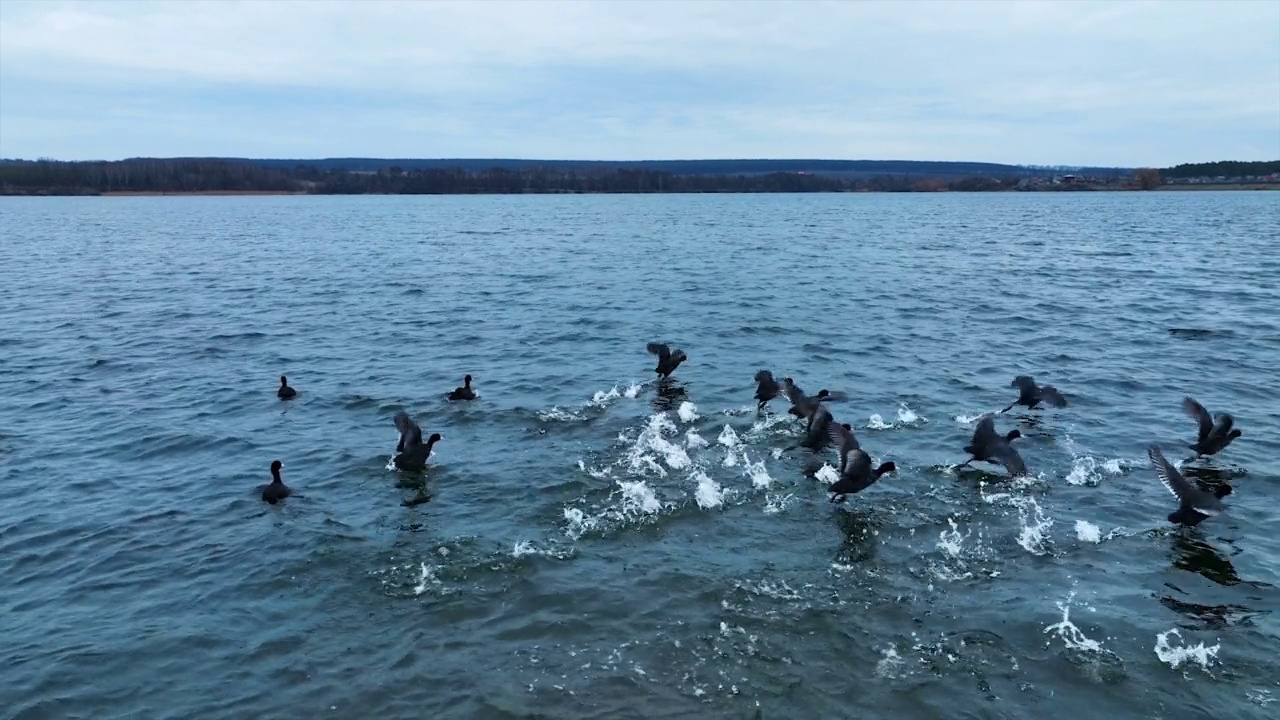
x=1073, y=83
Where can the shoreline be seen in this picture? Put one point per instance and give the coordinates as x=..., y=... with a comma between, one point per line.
x=1198, y=187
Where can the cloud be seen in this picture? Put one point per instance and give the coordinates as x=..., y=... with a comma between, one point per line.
x=1064, y=82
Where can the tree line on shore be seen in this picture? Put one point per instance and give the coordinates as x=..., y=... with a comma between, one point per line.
x=200, y=175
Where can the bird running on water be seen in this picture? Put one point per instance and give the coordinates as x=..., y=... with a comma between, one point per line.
x=1031, y=395
x=1213, y=437
x=987, y=446
x=669, y=358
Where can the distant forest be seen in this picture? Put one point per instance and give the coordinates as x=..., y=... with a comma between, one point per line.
x=355, y=176
x=1228, y=169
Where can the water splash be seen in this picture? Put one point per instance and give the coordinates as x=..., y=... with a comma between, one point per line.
x=875, y=422
x=558, y=414
x=693, y=441
x=427, y=575
x=1033, y=536
x=638, y=498
x=526, y=548
x=1088, y=532
x=1198, y=654
x=890, y=664
x=578, y=523
x=774, y=504
x=729, y=438
x=709, y=493
x=951, y=541
x=652, y=438
x=759, y=475
x=827, y=474
x=1071, y=635
x=907, y=416
x=688, y=412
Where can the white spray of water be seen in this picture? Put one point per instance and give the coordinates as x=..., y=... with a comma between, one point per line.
x=774, y=504
x=1088, y=532
x=951, y=541
x=709, y=494
x=693, y=441
x=652, y=437
x=1175, y=656
x=890, y=664
x=1034, y=534
x=427, y=575
x=827, y=474
x=1071, y=635
x=688, y=412
x=577, y=523
x=760, y=478
x=638, y=498
x=907, y=416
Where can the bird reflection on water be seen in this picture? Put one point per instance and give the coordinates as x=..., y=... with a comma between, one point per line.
x=858, y=528
x=670, y=394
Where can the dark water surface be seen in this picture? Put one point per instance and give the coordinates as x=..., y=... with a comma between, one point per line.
x=594, y=549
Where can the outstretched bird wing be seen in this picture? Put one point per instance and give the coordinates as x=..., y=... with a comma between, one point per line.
x=661, y=350
x=1197, y=411
x=1187, y=494
x=845, y=441
x=984, y=434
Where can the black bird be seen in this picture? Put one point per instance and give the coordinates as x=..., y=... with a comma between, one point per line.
x=817, y=430
x=668, y=358
x=1194, y=504
x=801, y=405
x=766, y=388
x=858, y=475
x=465, y=392
x=285, y=392
x=1213, y=437
x=410, y=433
x=990, y=447
x=415, y=458
x=842, y=435
x=277, y=490
x=1031, y=395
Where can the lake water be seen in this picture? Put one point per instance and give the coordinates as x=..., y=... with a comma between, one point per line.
x=594, y=548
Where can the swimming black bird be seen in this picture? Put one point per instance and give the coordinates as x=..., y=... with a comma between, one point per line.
x=415, y=458
x=668, y=358
x=766, y=388
x=465, y=392
x=858, y=475
x=285, y=392
x=1031, y=395
x=277, y=490
x=1213, y=437
x=842, y=435
x=1194, y=504
x=990, y=447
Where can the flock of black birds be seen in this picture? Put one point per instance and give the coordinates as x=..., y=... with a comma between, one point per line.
x=856, y=471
